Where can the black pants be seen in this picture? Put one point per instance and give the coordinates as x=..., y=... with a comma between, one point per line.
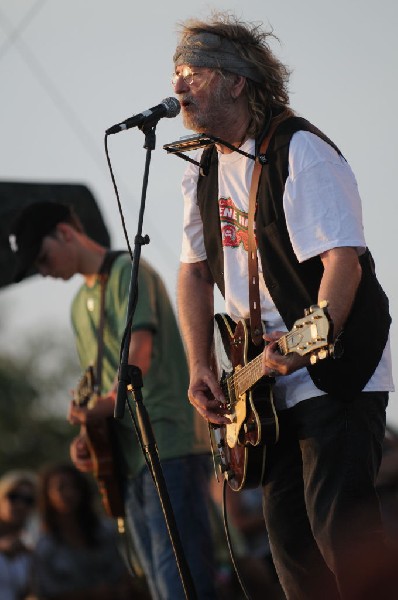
x=320, y=504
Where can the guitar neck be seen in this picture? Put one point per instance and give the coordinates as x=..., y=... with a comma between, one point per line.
x=248, y=375
x=312, y=335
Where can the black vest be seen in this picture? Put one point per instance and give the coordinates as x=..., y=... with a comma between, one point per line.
x=293, y=285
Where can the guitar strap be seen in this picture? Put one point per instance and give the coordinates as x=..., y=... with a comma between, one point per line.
x=103, y=275
x=127, y=547
x=256, y=326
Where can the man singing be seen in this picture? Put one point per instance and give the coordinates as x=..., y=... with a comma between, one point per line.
x=320, y=504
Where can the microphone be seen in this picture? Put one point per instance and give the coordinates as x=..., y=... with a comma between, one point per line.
x=169, y=107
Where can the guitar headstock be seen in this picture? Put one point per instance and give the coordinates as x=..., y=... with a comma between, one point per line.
x=84, y=393
x=312, y=334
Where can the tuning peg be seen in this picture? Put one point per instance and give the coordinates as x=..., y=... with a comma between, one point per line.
x=313, y=359
x=322, y=354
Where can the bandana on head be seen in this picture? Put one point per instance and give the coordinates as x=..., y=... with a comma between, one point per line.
x=214, y=52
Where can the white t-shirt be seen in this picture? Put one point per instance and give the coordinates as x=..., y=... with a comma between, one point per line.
x=323, y=211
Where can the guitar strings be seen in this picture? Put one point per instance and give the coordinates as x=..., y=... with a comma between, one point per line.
x=242, y=378
x=252, y=369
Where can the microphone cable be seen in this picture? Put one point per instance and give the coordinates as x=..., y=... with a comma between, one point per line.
x=229, y=543
x=120, y=209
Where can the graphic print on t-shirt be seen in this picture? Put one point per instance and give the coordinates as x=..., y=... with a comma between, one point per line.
x=233, y=224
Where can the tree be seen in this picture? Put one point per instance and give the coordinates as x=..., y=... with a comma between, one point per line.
x=33, y=402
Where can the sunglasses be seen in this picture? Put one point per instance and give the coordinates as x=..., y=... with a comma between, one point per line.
x=187, y=75
x=26, y=499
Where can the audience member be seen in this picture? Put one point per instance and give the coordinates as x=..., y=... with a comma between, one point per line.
x=77, y=555
x=17, y=503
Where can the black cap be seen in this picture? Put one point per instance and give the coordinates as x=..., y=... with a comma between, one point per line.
x=30, y=228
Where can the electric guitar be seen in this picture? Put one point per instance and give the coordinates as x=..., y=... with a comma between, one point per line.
x=239, y=448
x=98, y=435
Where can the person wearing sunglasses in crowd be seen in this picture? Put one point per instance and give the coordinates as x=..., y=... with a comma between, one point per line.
x=17, y=505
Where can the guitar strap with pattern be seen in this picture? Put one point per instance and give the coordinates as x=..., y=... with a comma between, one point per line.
x=256, y=326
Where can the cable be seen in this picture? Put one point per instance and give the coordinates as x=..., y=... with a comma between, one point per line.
x=228, y=538
x=117, y=197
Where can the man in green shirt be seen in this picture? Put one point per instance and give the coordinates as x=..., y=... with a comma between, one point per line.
x=51, y=237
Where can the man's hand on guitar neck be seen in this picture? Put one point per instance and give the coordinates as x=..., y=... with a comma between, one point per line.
x=206, y=396
x=274, y=363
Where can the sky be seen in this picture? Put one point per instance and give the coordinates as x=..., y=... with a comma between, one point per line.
x=69, y=69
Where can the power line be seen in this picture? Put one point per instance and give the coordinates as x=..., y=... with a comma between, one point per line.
x=67, y=111
x=23, y=24
x=57, y=98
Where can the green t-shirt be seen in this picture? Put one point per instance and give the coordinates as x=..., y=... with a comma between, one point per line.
x=178, y=428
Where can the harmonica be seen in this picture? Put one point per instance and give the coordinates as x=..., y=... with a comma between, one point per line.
x=188, y=143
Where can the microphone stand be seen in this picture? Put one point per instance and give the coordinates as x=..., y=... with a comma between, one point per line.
x=130, y=379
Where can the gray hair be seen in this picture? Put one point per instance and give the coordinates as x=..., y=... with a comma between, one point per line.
x=243, y=48
x=215, y=52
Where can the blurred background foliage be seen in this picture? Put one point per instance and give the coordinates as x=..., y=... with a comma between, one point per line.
x=36, y=376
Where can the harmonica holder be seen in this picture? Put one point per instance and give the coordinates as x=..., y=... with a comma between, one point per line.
x=194, y=142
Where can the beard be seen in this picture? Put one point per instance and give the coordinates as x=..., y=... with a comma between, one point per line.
x=209, y=116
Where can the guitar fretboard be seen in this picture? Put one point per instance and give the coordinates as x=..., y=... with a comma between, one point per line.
x=309, y=335
x=243, y=379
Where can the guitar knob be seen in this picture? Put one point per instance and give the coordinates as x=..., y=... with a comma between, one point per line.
x=229, y=475
x=227, y=471
x=248, y=427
